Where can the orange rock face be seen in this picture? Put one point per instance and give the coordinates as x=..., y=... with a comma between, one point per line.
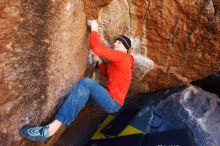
x=23, y=61
x=43, y=53
x=183, y=40
x=93, y=8
x=44, y=47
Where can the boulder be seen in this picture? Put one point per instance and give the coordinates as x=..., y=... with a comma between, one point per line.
x=44, y=47
x=196, y=108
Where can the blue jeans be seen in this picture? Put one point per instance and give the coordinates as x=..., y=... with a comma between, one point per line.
x=85, y=89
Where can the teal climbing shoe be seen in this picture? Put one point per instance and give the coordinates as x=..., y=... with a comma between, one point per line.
x=35, y=133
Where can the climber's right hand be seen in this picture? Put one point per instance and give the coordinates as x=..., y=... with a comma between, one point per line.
x=93, y=24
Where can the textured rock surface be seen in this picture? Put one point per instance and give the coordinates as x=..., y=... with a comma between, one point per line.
x=43, y=50
x=183, y=40
x=198, y=109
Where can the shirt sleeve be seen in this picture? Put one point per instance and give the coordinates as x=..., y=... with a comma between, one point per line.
x=103, y=69
x=102, y=51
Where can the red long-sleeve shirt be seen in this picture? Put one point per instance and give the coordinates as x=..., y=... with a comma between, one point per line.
x=119, y=70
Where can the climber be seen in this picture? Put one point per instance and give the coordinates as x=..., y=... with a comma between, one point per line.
x=109, y=99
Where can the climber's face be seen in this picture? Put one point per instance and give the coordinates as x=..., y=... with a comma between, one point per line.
x=118, y=45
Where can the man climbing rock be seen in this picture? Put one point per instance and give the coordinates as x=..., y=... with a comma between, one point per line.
x=110, y=99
